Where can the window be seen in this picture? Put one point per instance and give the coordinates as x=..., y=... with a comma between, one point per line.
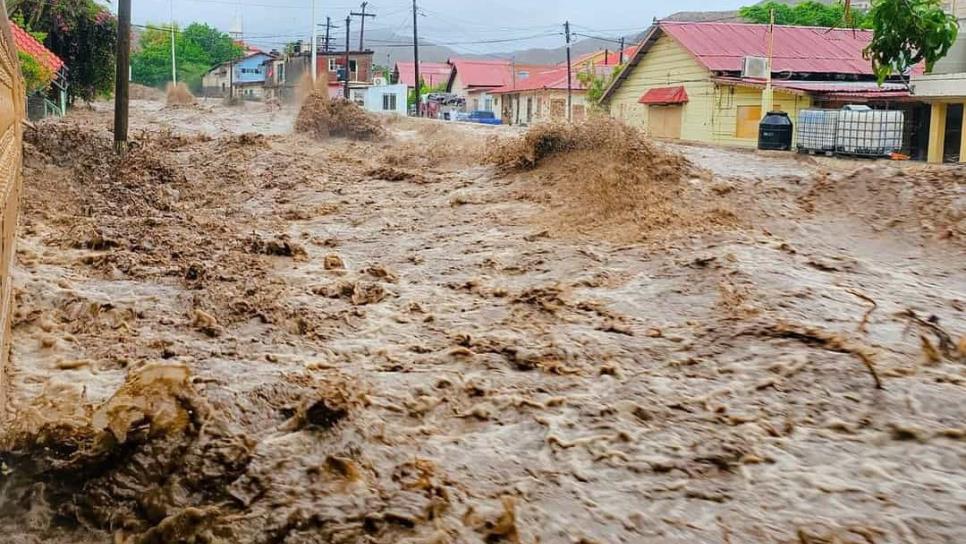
x=388, y=102
x=332, y=65
x=353, y=65
x=746, y=125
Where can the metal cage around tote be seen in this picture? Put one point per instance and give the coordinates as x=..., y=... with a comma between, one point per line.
x=853, y=130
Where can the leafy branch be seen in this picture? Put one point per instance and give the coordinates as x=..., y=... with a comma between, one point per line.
x=907, y=32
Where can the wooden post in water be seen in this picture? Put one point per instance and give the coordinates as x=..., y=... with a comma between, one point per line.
x=121, y=76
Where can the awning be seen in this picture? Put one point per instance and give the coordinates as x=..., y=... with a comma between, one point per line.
x=661, y=96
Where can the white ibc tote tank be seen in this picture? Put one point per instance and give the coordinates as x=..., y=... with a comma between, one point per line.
x=864, y=131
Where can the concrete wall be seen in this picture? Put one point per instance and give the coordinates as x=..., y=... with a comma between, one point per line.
x=512, y=108
x=375, y=102
x=11, y=136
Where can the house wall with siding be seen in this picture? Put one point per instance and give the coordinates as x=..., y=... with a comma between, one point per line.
x=711, y=112
x=667, y=64
x=726, y=101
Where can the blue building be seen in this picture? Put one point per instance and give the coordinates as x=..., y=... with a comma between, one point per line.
x=246, y=76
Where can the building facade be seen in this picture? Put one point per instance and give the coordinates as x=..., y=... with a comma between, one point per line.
x=945, y=90
x=246, y=77
x=687, y=80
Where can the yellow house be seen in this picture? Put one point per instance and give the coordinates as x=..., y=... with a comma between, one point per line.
x=945, y=89
x=709, y=82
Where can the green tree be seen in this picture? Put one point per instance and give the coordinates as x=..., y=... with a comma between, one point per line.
x=82, y=33
x=907, y=32
x=596, y=84
x=198, y=48
x=809, y=13
x=36, y=76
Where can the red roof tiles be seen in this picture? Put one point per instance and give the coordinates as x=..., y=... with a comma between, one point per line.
x=29, y=45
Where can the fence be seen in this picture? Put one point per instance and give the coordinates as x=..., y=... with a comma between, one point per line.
x=11, y=136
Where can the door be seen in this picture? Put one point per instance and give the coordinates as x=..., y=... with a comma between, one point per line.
x=664, y=121
x=11, y=114
x=529, y=110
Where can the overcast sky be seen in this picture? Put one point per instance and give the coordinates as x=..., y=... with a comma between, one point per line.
x=510, y=24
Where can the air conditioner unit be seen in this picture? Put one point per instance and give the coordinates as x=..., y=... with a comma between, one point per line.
x=754, y=68
x=379, y=81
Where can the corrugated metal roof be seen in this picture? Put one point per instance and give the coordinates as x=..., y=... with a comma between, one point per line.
x=491, y=73
x=660, y=96
x=722, y=46
x=28, y=44
x=550, y=79
x=433, y=73
x=870, y=87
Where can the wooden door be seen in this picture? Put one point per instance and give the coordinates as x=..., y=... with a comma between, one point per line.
x=664, y=121
x=11, y=115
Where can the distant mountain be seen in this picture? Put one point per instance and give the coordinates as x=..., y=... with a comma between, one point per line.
x=390, y=47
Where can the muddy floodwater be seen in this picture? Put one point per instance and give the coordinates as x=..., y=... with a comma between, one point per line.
x=242, y=334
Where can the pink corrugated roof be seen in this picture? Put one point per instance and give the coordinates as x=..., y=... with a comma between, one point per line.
x=555, y=78
x=28, y=44
x=722, y=46
x=483, y=73
x=433, y=73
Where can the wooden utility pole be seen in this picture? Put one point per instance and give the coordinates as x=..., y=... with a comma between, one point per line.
x=570, y=92
x=622, y=51
x=328, y=28
x=121, y=76
x=315, y=45
x=348, y=21
x=362, y=29
x=416, y=58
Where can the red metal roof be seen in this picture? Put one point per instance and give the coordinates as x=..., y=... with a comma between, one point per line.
x=722, y=46
x=863, y=89
x=555, y=78
x=664, y=95
x=433, y=73
x=492, y=73
x=28, y=44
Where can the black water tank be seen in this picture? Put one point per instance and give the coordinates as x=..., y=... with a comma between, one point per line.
x=775, y=131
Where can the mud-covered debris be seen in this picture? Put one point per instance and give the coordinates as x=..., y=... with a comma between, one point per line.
x=389, y=173
x=322, y=117
x=497, y=524
x=358, y=293
x=328, y=404
x=179, y=95
x=280, y=246
x=333, y=262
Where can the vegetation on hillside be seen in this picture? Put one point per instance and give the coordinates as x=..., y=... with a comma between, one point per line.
x=198, y=47
x=808, y=13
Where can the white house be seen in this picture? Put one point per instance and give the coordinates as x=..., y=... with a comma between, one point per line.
x=386, y=98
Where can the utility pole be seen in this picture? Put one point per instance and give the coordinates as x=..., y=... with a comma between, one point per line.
x=622, y=50
x=328, y=28
x=416, y=58
x=348, y=21
x=315, y=45
x=362, y=30
x=121, y=76
x=174, y=65
x=570, y=97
